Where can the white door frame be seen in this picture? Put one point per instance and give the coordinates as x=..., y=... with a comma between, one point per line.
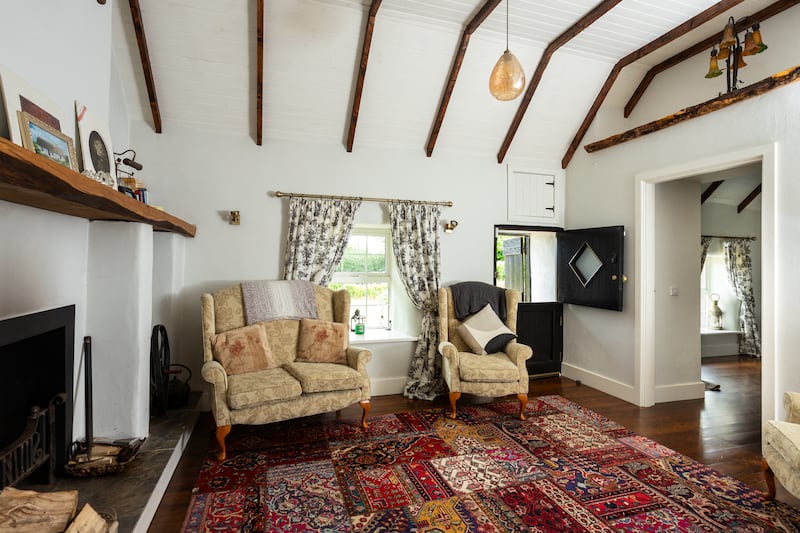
x=644, y=321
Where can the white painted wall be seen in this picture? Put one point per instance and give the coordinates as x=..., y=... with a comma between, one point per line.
x=63, y=51
x=200, y=176
x=602, y=189
x=677, y=312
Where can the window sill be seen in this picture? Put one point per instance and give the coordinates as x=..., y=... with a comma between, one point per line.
x=375, y=336
x=718, y=331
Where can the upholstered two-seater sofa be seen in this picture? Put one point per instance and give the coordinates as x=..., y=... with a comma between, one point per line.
x=284, y=386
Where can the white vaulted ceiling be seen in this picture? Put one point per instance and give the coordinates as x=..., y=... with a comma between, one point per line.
x=203, y=60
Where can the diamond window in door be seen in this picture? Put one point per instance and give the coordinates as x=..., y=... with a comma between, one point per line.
x=585, y=264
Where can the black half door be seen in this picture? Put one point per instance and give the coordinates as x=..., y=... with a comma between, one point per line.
x=589, y=267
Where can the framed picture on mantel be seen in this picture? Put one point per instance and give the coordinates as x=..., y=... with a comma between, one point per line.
x=47, y=141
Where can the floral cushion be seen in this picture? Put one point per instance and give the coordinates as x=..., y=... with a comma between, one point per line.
x=243, y=350
x=322, y=341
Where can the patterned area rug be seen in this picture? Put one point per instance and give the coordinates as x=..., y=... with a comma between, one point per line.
x=565, y=468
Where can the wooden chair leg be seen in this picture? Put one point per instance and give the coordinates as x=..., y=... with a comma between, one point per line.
x=454, y=396
x=523, y=403
x=769, y=477
x=365, y=405
x=222, y=432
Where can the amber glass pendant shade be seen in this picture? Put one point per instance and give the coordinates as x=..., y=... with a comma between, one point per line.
x=728, y=36
x=724, y=53
x=750, y=46
x=507, y=80
x=757, y=39
x=741, y=64
x=713, y=66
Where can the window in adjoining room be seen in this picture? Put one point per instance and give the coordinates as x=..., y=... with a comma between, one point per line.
x=365, y=272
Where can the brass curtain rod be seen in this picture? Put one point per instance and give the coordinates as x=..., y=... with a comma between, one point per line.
x=729, y=237
x=280, y=194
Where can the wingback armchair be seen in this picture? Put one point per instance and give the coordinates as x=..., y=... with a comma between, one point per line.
x=781, y=448
x=494, y=374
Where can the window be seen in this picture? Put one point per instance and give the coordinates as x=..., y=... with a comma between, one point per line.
x=365, y=272
x=714, y=280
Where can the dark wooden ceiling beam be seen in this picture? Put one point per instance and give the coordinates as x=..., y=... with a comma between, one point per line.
x=756, y=89
x=471, y=26
x=710, y=190
x=147, y=69
x=674, y=33
x=703, y=46
x=259, y=72
x=362, y=72
x=584, y=22
x=750, y=197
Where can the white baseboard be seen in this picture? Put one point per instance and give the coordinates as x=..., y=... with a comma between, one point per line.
x=386, y=386
x=602, y=383
x=680, y=391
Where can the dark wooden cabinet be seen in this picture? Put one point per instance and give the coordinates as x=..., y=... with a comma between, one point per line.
x=540, y=326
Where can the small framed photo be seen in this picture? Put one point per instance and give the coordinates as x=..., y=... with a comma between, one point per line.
x=47, y=141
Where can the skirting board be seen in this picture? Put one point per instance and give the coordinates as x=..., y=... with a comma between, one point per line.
x=680, y=391
x=386, y=386
x=610, y=386
x=664, y=393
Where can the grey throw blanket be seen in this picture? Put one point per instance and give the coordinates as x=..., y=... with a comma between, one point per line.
x=272, y=300
x=469, y=297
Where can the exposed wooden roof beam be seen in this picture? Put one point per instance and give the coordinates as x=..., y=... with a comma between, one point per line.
x=362, y=72
x=710, y=190
x=144, y=55
x=703, y=46
x=750, y=197
x=709, y=106
x=674, y=33
x=471, y=26
x=584, y=22
x=259, y=72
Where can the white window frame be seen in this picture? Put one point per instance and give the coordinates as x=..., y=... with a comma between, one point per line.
x=372, y=277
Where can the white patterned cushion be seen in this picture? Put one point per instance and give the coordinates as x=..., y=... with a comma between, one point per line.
x=484, y=332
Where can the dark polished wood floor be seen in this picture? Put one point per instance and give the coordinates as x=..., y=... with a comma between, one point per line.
x=723, y=430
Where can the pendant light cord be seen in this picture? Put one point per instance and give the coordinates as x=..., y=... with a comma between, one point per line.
x=507, y=25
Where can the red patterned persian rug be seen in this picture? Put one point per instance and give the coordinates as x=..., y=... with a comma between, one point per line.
x=565, y=468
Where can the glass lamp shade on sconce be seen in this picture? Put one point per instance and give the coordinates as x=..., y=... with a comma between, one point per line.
x=507, y=80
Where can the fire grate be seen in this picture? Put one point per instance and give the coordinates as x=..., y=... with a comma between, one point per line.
x=34, y=448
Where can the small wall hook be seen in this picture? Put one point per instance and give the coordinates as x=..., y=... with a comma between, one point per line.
x=450, y=226
x=233, y=218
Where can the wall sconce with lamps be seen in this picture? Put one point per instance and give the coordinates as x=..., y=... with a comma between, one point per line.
x=129, y=162
x=450, y=226
x=732, y=51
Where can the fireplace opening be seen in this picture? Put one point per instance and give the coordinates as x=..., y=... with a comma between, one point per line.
x=37, y=360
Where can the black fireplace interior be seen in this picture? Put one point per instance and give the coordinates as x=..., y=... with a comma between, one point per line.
x=37, y=358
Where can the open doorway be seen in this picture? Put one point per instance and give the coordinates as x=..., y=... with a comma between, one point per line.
x=730, y=316
x=647, y=286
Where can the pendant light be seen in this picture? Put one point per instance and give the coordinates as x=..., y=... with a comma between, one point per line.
x=507, y=80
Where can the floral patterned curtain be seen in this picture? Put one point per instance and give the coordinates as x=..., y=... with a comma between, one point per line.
x=317, y=236
x=705, y=242
x=740, y=277
x=415, y=241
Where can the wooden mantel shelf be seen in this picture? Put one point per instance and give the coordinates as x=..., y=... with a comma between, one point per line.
x=30, y=179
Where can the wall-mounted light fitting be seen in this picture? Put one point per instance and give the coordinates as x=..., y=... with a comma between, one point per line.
x=127, y=161
x=233, y=218
x=450, y=226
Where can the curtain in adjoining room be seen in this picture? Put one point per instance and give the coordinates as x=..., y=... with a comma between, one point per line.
x=705, y=242
x=740, y=277
x=317, y=236
x=415, y=241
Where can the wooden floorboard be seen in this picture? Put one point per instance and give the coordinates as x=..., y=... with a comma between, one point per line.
x=722, y=430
